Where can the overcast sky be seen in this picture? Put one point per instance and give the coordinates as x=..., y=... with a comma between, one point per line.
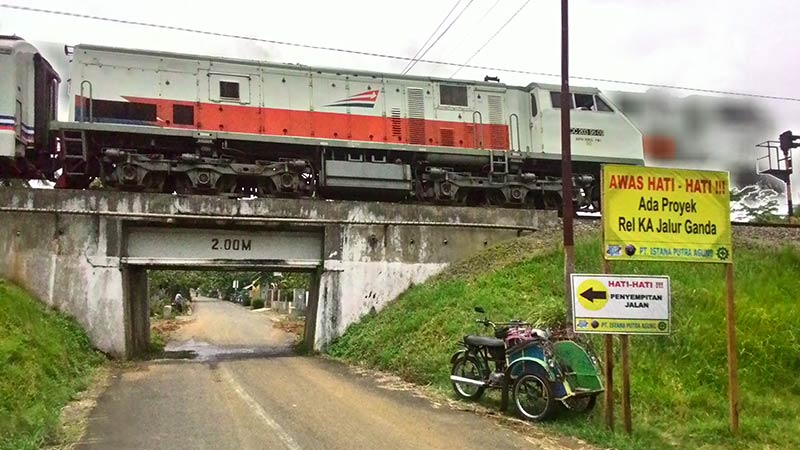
x=734, y=45
x=739, y=45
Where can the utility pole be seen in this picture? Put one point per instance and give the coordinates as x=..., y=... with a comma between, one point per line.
x=566, y=164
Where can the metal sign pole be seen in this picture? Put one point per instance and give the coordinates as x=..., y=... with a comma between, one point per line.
x=626, y=383
x=608, y=340
x=733, y=361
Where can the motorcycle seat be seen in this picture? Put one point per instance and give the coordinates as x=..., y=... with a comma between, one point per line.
x=483, y=341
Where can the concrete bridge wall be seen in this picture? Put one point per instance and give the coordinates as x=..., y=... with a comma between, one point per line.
x=69, y=248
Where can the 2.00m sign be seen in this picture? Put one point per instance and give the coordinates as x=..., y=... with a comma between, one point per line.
x=231, y=244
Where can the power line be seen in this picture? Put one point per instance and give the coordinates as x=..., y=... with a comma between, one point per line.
x=492, y=37
x=491, y=8
x=394, y=57
x=413, y=63
x=477, y=24
x=432, y=34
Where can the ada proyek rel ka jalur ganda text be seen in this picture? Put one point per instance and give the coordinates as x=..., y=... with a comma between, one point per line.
x=683, y=209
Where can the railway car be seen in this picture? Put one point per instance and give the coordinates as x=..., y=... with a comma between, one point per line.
x=28, y=105
x=165, y=122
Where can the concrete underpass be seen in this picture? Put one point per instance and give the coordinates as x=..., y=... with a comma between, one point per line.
x=87, y=252
x=239, y=248
x=236, y=382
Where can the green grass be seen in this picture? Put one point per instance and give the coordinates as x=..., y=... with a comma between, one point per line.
x=679, y=383
x=45, y=358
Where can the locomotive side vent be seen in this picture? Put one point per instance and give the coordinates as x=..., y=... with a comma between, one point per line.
x=416, y=116
x=397, y=124
x=183, y=114
x=495, y=109
x=498, y=132
x=469, y=134
x=447, y=137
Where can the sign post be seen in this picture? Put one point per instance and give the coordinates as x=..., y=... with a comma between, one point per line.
x=624, y=305
x=669, y=215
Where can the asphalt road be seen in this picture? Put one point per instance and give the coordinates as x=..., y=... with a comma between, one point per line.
x=246, y=390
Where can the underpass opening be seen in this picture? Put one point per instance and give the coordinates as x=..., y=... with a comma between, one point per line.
x=248, y=255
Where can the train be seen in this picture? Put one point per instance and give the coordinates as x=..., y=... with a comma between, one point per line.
x=150, y=121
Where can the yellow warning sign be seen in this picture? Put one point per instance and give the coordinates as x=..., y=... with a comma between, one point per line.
x=666, y=214
x=592, y=294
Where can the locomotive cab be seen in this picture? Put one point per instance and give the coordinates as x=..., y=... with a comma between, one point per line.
x=599, y=131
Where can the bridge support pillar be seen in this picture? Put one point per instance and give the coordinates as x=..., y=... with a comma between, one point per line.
x=137, y=318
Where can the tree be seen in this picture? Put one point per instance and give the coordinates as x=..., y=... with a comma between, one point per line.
x=755, y=203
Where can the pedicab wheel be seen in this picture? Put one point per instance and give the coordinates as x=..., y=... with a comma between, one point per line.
x=533, y=397
x=580, y=404
x=467, y=367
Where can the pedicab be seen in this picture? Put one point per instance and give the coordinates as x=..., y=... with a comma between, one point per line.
x=534, y=368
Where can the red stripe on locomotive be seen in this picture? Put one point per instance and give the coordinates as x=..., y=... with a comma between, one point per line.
x=330, y=125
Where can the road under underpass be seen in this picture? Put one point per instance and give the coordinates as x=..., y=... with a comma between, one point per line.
x=246, y=389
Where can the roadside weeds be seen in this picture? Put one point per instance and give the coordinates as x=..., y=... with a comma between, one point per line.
x=73, y=420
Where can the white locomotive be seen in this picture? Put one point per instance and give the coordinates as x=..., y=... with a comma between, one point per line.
x=164, y=122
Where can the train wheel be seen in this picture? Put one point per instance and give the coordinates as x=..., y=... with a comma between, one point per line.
x=265, y=188
x=227, y=185
x=494, y=197
x=154, y=182
x=182, y=183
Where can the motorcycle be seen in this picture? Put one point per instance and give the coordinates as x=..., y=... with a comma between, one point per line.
x=536, y=369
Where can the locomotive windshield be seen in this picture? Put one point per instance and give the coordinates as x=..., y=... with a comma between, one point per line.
x=584, y=102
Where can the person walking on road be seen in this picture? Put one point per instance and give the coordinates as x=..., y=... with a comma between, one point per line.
x=178, y=302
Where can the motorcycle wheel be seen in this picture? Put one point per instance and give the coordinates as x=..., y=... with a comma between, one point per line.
x=468, y=367
x=533, y=397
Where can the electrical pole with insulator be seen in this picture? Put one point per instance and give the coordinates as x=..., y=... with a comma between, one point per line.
x=566, y=165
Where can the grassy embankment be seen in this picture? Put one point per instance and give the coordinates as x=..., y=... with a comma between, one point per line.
x=679, y=383
x=45, y=359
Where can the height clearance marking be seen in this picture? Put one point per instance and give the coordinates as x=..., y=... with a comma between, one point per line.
x=666, y=214
x=621, y=304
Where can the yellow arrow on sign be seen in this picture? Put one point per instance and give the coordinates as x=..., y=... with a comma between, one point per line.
x=592, y=294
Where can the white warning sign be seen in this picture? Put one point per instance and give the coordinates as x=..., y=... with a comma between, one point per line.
x=621, y=304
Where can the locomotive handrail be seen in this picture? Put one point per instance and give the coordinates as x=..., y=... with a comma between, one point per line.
x=478, y=129
x=514, y=119
x=91, y=102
